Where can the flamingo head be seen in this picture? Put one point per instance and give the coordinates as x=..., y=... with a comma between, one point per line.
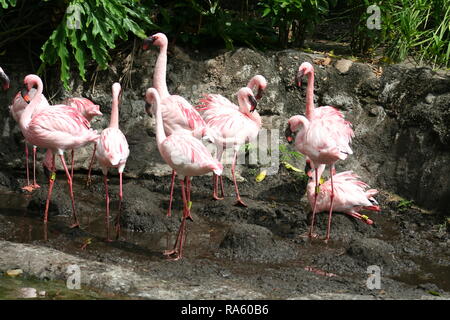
x=117, y=90
x=260, y=82
x=308, y=168
x=158, y=39
x=93, y=110
x=32, y=81
x=247, y=101
x=304, y=69
x=4, y=79
x=289, y=134
x=151, y=100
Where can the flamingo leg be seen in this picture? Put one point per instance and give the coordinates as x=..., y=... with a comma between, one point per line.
x=239, y=201
x=51, y=181
x=35, y=185
x=331, y=205
x=172, y=183
x=316, y=193
x=181, y=236
x=215, y=179
x=120, y=207
x=105, y=181
x=73, y=163
x=89, y=181
x=26, y=162
x=28, y=187
x=188, y=196
x=69, y=181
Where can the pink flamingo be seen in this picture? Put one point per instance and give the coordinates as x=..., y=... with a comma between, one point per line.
x=187, y=156
x=259, y=83
x=57, y=128
x=112, y=152
x=20, y=102
x=89, y=110
x=350, y=194
x=323, y=136
x=231, y=127
x=178, y=114
x=4, y=79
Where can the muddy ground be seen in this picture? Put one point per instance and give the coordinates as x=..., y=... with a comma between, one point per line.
x=258, y=252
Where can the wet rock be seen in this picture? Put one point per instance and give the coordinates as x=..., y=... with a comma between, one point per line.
x=142, y=211
x=372, y=252
x=254, y=243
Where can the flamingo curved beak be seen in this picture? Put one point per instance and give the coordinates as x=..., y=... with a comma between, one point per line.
x=253, y=103
x=308, y=168
x=259, y=94
x=289, y=134
x=148, y=109
x=298, y=78
x=147, y=43
x=24, y=94
x=4, y=79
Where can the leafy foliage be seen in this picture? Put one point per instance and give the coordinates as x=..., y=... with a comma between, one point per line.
x=417, y=28
x=6, y=3
x=93, y=25
x=294, y=16
x=287, y=155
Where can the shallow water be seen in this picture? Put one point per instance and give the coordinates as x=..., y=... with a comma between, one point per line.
x=135, y=248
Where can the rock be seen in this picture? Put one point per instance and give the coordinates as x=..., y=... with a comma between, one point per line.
x=27, y=293
x=343, y=65
x=254, y=243
x=372, y=252
x=14, y=272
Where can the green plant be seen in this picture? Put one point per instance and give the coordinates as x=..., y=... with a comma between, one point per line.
x=403, y=205
x=287, y=155
x=90, y=29
x=294, y=17
x=409, y=28
x=99, y=24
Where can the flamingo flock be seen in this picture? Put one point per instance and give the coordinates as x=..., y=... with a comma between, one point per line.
x=322, y=135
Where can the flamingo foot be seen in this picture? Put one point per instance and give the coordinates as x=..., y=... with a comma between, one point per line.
x=170, y=252
x=74, y=225
x=240, y=203
x=178, y=257
x=36, y=186
x=29, y=188
x=216, y=197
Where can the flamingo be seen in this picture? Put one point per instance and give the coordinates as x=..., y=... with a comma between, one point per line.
x=57, y=128
x=257, y=82
x=187, y=156
x=112, y=152
x=4, y=79
x=350, y=194
x=232, y=126
x=89, y=110
x=323, y=136
x=178, y=114
x=16, y=109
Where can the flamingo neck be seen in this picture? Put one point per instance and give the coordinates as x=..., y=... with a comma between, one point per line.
x=27, y=114
x=114, y=121
x=160, y=134
x=159, y=74
x=310, y=96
